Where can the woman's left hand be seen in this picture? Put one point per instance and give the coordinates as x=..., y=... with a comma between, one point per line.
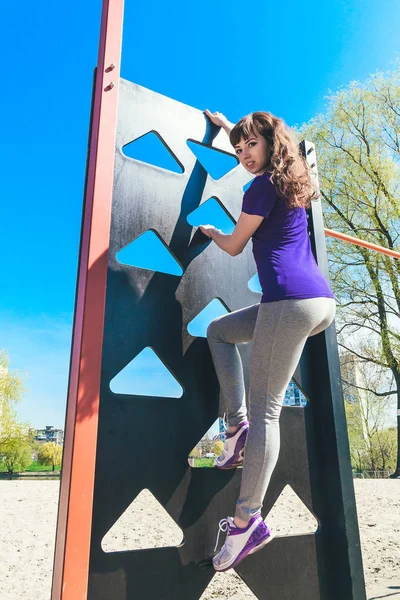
x=206, y=229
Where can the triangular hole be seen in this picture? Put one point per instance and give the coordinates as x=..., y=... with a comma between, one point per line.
x=254, y=284
x=149, y=251
x=151, y=148
x=198, y=326
x=216, y=162
x=146, y=375
x=211, y=212
x=290, y=516
x=130, y=531
x=227, y=586
x=208, y=447
x=246, y=187
x=294, y=396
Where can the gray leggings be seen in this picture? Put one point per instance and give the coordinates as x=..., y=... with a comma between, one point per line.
x=278, y=332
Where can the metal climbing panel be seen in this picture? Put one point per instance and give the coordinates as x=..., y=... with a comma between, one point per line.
x=118, y=444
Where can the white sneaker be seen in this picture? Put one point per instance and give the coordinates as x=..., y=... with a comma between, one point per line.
x=233, y=452
x=240, y=542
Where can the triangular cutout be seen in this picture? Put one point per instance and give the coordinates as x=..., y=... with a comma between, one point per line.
x=209, y=446
x=151, y=148
x=290, y=516
x=294, y=396
x=149, y=251
x=254, y=284
x=216, y=162
x=130, y=532
x=146, y=375
x=227, y=586
x=198, y=326
x=211, y=212
x=246, y=187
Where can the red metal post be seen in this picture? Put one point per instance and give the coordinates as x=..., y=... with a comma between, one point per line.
x=71, y=563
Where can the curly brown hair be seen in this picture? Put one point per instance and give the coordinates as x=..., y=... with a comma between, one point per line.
x=290, y=173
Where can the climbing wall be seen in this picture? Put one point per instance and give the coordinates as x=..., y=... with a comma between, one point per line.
x=144, y=438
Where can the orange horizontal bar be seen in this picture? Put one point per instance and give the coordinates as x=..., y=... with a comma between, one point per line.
x=357, y=242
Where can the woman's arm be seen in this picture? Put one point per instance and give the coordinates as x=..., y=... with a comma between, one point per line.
x=235, y=242
x=219, y=119
x=232, y=243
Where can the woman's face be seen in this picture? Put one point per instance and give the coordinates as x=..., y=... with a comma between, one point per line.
x=252, y=153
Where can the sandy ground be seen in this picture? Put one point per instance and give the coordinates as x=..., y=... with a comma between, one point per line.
x=27, y=531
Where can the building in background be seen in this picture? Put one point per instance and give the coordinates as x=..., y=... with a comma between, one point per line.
x=293, y=396
x=351, y=377
x=221, y=424
x=50, y=434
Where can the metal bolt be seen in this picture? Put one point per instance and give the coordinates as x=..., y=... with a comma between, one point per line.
x=109, y=87
x=110, y=68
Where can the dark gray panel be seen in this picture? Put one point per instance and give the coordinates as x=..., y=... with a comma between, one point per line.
x=145, y=308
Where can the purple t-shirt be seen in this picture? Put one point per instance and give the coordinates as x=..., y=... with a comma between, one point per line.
x=281, y=246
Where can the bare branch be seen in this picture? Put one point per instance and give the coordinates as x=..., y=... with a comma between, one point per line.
x=366, y=358
x=389, y=393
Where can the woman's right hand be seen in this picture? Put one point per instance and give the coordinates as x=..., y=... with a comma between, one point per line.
x=217, y=118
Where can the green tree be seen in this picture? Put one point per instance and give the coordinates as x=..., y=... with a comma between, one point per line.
x=386, y=444
x=358, y=147
x=17, y=452
x=356, y=437
x=15, y=437
x=11, y=384
x=50, y=454
x=11, y=389
x=372, y=445
x=195, y=453
x=218, y=447
x=373, y=449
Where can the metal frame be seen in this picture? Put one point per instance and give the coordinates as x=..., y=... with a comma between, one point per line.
x=71, y=571
x=357, y=242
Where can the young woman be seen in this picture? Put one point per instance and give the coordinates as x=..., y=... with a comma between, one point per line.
x=296, y=303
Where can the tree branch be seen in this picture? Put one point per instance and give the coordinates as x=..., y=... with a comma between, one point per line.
x=359, y=387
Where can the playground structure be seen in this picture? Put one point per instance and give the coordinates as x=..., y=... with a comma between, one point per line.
x=122, y=309
x=357, y=242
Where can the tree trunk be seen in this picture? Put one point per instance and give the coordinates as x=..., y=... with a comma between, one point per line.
x=396, y=474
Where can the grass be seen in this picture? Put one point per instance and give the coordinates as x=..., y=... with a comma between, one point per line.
x=203, y=462
x=33, y=468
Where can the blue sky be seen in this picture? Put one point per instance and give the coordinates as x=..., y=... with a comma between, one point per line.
x=281, y=57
